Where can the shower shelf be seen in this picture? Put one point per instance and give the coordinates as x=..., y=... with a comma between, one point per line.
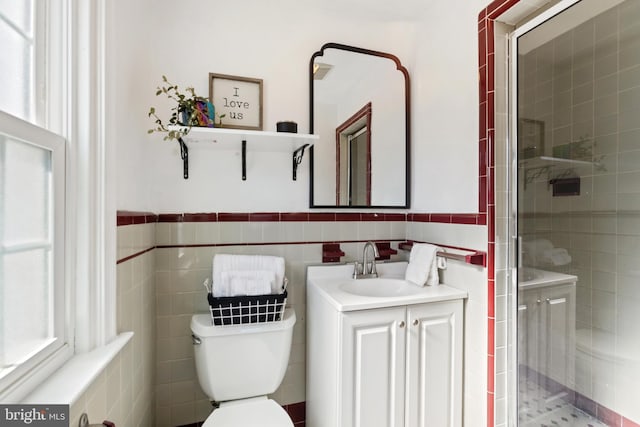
x=251, y=140
x=537, y=166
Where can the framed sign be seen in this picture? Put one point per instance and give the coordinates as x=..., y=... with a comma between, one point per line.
x=239, y=99
x=530, y=138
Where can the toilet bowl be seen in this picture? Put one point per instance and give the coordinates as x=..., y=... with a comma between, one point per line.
x=239, y=365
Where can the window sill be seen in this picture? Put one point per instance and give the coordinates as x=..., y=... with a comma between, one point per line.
x=74, y=377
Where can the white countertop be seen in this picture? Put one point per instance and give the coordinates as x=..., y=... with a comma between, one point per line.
x=540, y=278
x=330, y=281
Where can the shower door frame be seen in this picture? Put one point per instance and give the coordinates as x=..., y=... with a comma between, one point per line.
x=512, y=202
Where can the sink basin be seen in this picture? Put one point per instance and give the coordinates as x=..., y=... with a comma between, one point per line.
x=380, y=288
x=526, y=274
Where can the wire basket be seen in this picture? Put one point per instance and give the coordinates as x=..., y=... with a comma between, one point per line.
x=247, y=309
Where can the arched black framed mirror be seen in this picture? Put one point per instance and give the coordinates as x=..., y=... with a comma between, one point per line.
x=360, y=108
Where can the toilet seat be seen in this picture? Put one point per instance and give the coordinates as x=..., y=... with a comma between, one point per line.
x=254, y=412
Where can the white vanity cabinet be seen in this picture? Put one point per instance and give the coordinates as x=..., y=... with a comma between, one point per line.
x=391, y=366
x=547, y=330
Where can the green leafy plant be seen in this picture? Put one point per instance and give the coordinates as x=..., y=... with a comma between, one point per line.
x=189, y=110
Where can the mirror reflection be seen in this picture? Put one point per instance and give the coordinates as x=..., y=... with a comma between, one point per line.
x=360, y=110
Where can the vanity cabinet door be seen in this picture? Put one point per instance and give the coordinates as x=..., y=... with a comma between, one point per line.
x=373, y=368
x=434, y=364
x=530, y=333
x=559, y=327
x=546, y=331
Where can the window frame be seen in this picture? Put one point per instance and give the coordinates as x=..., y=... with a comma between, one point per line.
x=51, y=356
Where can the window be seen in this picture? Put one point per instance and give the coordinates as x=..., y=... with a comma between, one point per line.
x=33, y=290
x=18, y=59
x=57, y=221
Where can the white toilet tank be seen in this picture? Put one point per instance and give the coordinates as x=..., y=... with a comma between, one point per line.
x=241, y=361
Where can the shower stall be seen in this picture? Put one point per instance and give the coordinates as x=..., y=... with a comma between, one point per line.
x=575, y=201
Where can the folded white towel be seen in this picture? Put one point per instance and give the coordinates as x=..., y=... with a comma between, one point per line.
x=422, y=268
x=556, y=256
x=236, y=263
x=250, y=282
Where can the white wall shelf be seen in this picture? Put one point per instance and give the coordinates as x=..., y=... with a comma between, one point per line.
x=248, y=140
x=535, y=167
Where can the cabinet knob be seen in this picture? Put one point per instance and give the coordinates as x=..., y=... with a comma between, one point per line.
x=401, y=324
x=416, y=322
x=538, y=301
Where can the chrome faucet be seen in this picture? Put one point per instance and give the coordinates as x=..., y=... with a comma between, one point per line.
x=369, y=267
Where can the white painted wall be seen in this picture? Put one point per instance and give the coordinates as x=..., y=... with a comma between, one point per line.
x=274, y=41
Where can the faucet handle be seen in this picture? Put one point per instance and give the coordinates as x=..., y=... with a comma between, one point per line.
x=356, y=269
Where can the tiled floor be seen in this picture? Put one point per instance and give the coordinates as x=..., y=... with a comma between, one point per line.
x=539, y=408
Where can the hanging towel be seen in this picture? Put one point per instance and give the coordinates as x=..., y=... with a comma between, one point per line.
x=422, y=269
x=237, y=263
x=245, y=282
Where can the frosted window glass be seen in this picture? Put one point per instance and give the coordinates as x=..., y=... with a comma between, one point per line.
x=16, y=63
x=19, y=14
x=25, y=288
x=25, y=182
x=26, y=275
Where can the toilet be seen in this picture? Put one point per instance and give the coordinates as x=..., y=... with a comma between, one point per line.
x=239, y=365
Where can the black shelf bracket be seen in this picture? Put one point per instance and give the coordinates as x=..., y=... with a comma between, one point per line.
x=244, y=159
x=184, y=155
x=297, y=159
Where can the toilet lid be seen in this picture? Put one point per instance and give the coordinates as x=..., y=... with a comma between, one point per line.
x=251, y=413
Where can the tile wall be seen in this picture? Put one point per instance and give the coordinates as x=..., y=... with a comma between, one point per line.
x=124, y=392
x=494, y=23
x=179, y=249
x=470, y=278
x=184, y=253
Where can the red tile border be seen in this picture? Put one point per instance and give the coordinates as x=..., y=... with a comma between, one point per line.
x=464, y=219
x=487, y=191
x=491, y=386
x=132, y=218
x=264, y=217
x=491, y=333
x=482, y=219
x=137, y=254
x=490, y=409
x=395, y=217
x=129, y=218
x=491, y=291
x=322, y=216
x=446, y=218
x=348, y=216
x=608, y=416
x=294, y=216
x=200, y=217
x=628, y=423
x=371, y=217
x=296, y=411
x=233, y=217
x=170, y=217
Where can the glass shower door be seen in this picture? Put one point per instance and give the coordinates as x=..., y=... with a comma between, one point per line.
x=577, y=108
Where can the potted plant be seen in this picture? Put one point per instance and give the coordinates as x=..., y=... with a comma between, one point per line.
x=189, y=110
